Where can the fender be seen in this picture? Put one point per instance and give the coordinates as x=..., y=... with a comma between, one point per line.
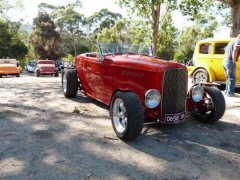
x=192, y=69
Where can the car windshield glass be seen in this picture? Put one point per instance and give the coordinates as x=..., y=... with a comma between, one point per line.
x=33, y=63
x=113, y=48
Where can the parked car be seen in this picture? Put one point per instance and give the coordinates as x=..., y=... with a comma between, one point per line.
x=58, y=64
x=9, y=67
x=66, y=65
x=140, y=88
x=46, y=67
x=31, y=66
x=207, y=62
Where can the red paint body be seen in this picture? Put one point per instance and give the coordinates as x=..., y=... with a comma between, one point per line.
x=46, y=67
x=126, y=72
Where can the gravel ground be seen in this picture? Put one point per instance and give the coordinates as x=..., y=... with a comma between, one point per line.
x=41, y=138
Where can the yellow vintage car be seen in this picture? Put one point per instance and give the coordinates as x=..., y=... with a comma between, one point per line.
x=207, y=62
x=9, y=67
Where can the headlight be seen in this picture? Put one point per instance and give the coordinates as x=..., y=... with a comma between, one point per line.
x=197, y=93
x=152, y=98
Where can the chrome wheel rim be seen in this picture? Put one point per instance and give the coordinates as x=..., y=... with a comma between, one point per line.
x=201, y=78
x=64, y=83
x=119, y=115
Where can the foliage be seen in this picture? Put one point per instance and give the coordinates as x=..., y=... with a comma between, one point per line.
x=101, y=20
x=228, y=9
x=11, y=45
x=6, y=5
x=167, y=39
x=45, y=39
x=151, y=11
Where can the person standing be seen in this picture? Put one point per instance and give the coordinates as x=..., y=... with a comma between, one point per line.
x=231, y=56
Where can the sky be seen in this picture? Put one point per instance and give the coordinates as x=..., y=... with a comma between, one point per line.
x=89, y=7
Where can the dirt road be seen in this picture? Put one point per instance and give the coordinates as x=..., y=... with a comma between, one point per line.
x=41, y=138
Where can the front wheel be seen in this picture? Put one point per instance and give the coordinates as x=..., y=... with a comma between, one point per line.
x=18, y=75
x=216, y=103
x=126, y=115
x=69, y=83
x=200, y=76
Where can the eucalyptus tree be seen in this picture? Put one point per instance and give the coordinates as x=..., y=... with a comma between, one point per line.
x=69, y=22
x=167, y=38
x=153, y=12
x=228, y=9
x=101, y=19
x=6, y=5
x=203, y=28
x=45, y=39
x=11, y=43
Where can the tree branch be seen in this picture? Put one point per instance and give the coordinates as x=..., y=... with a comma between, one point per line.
x=231, y=4
x=146, y=11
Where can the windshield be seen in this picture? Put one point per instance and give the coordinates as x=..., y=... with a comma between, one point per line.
x=113, y=48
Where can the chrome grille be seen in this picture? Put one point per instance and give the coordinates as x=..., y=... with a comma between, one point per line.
x=174, y=91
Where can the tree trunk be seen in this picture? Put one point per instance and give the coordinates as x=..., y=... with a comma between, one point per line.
x=155, y=27
x=235, y=29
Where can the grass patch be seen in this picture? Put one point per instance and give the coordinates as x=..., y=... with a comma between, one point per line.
x=42, y=133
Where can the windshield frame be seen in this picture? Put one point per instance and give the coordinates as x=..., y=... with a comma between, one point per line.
x=123, y=47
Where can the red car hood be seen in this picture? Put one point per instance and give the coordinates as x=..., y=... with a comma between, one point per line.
x=141, y=62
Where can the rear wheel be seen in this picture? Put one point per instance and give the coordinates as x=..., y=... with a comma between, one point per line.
x=0, y=76
x=216, y=104
x=18, y=75
x=126, y=115
x=69, y=83
x=56, y=74
x=200, y=76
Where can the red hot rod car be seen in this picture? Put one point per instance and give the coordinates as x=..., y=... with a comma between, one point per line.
x=140, y=88
x=46, y=67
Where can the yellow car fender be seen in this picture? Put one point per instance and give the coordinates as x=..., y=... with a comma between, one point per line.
x=192, y=69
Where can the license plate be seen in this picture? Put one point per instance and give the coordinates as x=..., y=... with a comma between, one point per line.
x=175, y=117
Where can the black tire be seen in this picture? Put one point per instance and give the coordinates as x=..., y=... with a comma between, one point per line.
x=217, y=104
x=69, y=83
x=56, y=74
x=0, y=75
x=126, y=105
x=37, y=73
x=200, y=76
x=18, y=75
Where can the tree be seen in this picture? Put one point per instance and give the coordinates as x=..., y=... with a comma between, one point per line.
x=11, y=45
x=167, y=38
x=45, y=39
x=6, y=5
x=228, y=9
x=101, y=20
x=5, y=39
x=68, y=21
x=151, y=11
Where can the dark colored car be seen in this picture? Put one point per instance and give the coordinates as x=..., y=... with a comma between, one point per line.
x=58, y=64
x=140, y=88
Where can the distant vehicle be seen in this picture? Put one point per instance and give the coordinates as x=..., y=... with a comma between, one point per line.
x=140, y=88
x=58, y=64
x=31, y=66
x=207, y=60
x=46, y=67
x=66, y=65
x=9, y=67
